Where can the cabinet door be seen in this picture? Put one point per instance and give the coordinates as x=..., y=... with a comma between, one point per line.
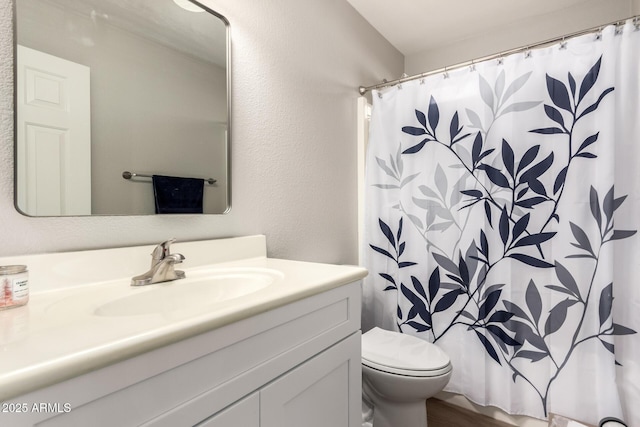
x=245, y=413
x=324, y=391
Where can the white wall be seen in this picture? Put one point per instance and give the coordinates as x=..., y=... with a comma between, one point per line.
x=522, y=33
x=296, y=68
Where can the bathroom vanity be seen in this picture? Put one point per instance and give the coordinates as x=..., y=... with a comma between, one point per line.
x=244, y=340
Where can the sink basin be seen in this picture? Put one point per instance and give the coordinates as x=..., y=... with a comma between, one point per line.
x=194, y=293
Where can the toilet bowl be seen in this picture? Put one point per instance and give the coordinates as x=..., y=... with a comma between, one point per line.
x=399, y=373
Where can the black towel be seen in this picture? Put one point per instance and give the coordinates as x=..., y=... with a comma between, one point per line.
x=177, y=195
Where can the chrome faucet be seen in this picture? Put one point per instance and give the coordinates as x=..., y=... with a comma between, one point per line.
x=162, y=266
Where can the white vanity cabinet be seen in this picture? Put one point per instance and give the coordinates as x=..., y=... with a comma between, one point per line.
x=294, y=365
x=244, y=413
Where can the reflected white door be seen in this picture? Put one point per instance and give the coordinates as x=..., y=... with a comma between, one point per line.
x=53, y=135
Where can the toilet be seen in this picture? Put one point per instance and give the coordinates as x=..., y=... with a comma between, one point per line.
x=399, y=373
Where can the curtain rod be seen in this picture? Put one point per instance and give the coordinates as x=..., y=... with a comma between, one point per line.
x=364, y=89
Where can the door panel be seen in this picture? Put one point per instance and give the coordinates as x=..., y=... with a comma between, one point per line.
x=53, y=135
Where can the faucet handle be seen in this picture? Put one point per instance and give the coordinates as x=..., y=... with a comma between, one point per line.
x=161, y=251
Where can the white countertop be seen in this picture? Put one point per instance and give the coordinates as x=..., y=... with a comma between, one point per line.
x=58, y=334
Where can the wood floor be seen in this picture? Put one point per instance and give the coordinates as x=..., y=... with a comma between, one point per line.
x=443, y=414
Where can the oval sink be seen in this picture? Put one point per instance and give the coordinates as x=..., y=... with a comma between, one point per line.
x=190, y=294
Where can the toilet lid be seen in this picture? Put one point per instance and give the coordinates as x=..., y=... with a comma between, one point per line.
x=399, y=352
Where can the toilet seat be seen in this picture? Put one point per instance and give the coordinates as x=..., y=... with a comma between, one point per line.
x=401, y=354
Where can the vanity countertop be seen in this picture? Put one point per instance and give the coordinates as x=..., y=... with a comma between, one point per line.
x=63, y=332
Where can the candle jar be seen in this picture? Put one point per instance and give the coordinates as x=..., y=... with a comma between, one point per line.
x=14, y=286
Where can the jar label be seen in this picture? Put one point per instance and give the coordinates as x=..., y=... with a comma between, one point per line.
x=20, y=289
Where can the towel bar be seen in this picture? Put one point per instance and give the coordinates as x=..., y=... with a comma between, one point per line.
x=129, y=175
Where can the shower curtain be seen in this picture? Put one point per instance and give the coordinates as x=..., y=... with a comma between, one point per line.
x=501, y=213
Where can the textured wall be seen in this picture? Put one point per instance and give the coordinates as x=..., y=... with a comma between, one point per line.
x=296, y=66
x=587, y=14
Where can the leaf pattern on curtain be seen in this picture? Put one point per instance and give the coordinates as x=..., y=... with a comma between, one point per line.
x=518, y=197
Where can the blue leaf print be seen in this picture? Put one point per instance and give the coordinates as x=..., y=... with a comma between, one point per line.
x=508, y=158
x=587, y=142
x=622, y=330
x=500, y=316
x=590, y=79
x=434, y=115
x=383, y=252
x=534, y=239
x=594, y=204
x=528, y=157
x=521, y=226
x=606, y=303
x=534, y=262
x=572, y=84
x=535, y=171
x=608, y=346
x=487, y=345
x=497, y=332
x=477, y=148
x=560, y=179
x=416, y=148
x=593, y=107
x=567, y=280
x=387, y=232
x=489, y=304
x=534, y=356
x=414, y=130
x=554, y=115
x=504, y=226
x=419, y=327
x=446, y=301
x=558, y=93
x=434, y=283
x=557, y=316
x=487, y=211
x=622, y=234
x=495, y=176
x=421, y=118
x=548, y=131
x=387, y=277
x=582, y=240
x=534, y=301
x=418, y=287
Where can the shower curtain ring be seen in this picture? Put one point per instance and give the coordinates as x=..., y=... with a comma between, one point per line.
x=446, y=73
x=599, y=34
x=563, y=44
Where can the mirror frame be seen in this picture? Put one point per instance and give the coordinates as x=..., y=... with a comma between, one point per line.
x=228, y=150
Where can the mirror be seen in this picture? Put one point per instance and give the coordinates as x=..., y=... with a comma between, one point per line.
x=106, y=87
